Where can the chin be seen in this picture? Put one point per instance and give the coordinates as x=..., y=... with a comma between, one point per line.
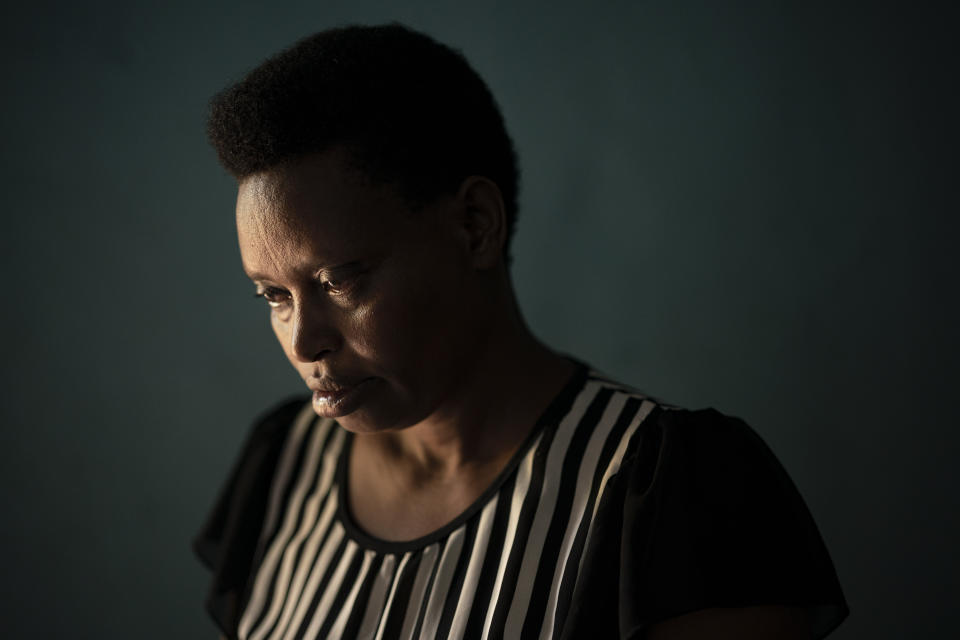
x=360, y=422
x=364, y=421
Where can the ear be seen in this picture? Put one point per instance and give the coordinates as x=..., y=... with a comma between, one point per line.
x=485, y=220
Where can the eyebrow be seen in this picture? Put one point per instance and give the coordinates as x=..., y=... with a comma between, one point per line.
x=255, y=276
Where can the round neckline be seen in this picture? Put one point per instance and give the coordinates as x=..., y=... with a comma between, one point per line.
x=550, y=417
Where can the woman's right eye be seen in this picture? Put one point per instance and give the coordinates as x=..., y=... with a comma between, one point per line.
x=274, y=297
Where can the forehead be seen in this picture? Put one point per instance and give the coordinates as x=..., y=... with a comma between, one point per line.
x=319, y=210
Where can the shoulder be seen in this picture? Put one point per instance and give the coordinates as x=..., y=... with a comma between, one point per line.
x=699, y=514
x=658, y=432
x=266, y=438
x=252, y=466
x=666, y=416
x=269, y=433
x=710, y=439
x=277, y=419
x=227, y=540
x=711, y=465
x=698, y=473
x=704, y=442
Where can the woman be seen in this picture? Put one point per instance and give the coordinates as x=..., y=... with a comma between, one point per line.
x=451, y=476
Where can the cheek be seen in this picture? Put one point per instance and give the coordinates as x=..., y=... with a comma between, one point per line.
x=408, y=328
x=364, y=336
x=281, y=329
x=377, y=333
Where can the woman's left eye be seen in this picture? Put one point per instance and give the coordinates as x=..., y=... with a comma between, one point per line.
x=340, y=285
x=331, y=286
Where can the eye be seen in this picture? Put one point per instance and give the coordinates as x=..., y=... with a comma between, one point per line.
x=274, y=297
x=336, y=287
x=340, y=284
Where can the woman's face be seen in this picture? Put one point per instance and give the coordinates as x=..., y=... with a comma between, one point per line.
x=375, y=305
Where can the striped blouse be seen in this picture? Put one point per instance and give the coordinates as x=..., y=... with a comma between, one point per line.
x=570, y=539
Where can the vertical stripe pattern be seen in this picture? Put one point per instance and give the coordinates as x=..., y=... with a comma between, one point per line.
x=506, y=568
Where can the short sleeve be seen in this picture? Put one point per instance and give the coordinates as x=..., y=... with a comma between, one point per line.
x=701, y=515
x=227, y=542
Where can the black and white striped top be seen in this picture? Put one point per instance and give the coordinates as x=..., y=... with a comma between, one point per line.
x=538, y=555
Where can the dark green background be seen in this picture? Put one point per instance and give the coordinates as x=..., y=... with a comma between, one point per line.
x=743, y=205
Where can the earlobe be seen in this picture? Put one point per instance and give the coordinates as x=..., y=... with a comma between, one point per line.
x=484, y=220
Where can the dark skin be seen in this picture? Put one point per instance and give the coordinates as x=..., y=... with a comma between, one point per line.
x=413, y=311
x=405, y=324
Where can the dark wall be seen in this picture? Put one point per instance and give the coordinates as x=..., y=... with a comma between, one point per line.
x=745, y=205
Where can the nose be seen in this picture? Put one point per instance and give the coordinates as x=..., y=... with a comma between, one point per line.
x=314, y=332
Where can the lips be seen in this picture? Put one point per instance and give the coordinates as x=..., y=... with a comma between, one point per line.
x=327, y=386
x=335, y=398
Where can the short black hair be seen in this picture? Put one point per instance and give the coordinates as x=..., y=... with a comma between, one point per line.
x=408, y=109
